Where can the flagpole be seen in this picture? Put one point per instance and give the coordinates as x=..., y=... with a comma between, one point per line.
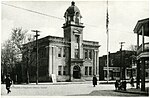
x=107, y=32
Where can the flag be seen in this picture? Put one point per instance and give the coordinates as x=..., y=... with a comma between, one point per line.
x=107, y=17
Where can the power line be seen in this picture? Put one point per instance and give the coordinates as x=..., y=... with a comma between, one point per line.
x=90, y=25
x=33, y=11
x=40, y=13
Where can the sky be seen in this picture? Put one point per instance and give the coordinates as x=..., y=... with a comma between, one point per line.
x=123, y=16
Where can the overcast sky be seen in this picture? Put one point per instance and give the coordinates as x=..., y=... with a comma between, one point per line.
x=123, y=16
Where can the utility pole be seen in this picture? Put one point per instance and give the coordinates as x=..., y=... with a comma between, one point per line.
x=121, y=73
x=37, y=75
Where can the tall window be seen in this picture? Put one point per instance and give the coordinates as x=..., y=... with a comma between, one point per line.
x=77, y=38
x=64, y=52
x=59, y=52
x=86, y=54
x=76, y=41
x=86, y=70
x=77, y=18
x=106, y=63
x=112, y=63
x=90, y=70
x=76, y=53
x=59, y=70
x=90, y=54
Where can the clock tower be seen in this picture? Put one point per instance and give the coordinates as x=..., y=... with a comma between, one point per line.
x=73, y=33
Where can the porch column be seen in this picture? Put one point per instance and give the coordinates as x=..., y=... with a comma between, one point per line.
x=97, y=63
x=93, y=62
x=71, y=72
x=137, y=41
x=143, y=74
x=143, y=64
x=142, y=38
x=50, y=61
x=52, y=55
x=138, y=75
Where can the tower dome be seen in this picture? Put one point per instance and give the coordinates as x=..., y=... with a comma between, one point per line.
x=73, y=14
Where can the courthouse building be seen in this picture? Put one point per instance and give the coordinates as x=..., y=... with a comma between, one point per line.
x=70, y=57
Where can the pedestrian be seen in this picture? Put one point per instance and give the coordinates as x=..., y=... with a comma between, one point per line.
x=8, y=82
x=124, y=85
x=132, y=82
x=94, y=80
x=119, y=85
x=116, y=84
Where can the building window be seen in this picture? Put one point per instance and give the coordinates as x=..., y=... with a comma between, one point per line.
x=146, y=75
x=86, y=54
x=112, y=62
x=105, y=73
x=106, y=63
x=76, y=41
x=64, y=70
x=76, y=53
x=90, y=70
x=59, y=52
x=64, y=52
x=90, y=54
x=86, y=70
x=117, y=74
x=77, y=38
x=59, y=70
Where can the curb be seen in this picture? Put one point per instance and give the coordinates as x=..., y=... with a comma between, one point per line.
x=113, y=82
x=106, y=83
x=57, y=83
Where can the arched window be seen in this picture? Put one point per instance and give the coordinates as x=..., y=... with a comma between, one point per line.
x=77, y=17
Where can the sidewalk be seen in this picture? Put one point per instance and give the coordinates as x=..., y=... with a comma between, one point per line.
x=65, y=83
x=135, y=91
x=105, y=82
x=57, y=83
x=113, y=82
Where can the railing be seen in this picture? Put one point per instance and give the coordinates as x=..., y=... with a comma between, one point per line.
x=146, y=48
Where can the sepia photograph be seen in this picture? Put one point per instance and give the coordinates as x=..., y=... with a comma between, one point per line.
x=75, y=48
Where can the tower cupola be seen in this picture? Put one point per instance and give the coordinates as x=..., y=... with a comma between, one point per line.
x=73, y=14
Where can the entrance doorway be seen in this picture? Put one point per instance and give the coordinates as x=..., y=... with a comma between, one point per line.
x=76, y=72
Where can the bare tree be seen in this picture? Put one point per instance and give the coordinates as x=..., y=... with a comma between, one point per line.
x=11, y=50
x=7, y=56
x=133, y=48
x=18, y=36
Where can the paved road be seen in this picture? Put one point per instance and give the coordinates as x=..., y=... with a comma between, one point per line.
x=63, y=90
x=109, y=93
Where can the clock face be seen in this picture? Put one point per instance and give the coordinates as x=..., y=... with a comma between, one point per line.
x=77, y=30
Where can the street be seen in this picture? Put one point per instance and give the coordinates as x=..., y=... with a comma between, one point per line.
x=64, y=89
